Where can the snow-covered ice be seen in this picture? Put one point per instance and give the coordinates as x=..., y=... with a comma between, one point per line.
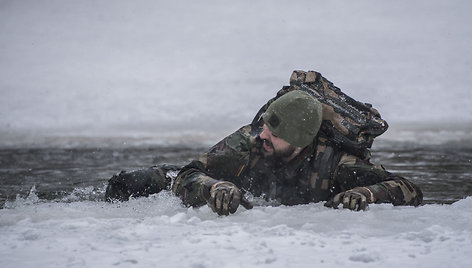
x=159, y=232
x=96, y=73
x=198, y=70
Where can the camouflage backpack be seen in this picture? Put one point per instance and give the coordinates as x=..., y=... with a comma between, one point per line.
x=347, y=123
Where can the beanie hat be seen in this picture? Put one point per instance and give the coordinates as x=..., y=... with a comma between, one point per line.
x=295, y=117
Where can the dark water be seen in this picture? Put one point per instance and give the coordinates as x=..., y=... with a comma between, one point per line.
x=444, y=173
x=56, y=173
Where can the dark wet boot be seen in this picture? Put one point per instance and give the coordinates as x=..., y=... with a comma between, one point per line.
x=143, y=182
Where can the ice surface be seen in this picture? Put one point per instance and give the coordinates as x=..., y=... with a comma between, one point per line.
x=112, y=73
x=159, y=232
x=185, y=70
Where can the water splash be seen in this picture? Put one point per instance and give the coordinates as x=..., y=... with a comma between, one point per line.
x=31, y=199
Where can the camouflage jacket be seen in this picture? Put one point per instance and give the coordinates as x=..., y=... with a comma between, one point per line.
x=318, y=173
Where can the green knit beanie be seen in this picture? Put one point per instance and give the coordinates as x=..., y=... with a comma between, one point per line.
x=295, y=117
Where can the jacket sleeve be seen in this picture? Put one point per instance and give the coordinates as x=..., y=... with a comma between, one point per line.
x=224, y=161
x=382, y=186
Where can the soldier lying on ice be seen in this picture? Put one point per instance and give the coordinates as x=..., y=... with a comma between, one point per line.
x=297, y=150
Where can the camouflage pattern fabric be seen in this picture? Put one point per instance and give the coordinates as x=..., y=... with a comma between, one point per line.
x=143, y=182
x=318, y=173
x=335, y=167
x=348, y=123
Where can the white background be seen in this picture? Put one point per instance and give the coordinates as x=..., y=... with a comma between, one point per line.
x=202, y=69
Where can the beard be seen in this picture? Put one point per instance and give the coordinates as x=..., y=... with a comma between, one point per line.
x=280, y=154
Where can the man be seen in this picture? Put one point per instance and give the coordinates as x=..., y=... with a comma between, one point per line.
x=280, y=157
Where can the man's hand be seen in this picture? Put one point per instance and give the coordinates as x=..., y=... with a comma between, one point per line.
x=354, y=199
x=224, y=198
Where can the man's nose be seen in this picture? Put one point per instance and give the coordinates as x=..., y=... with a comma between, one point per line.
x=264, y=135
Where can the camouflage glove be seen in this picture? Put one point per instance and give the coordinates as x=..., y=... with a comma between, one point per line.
x=355, y=199
x=225, y=198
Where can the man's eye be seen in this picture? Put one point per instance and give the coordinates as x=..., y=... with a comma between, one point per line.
x=275, y=136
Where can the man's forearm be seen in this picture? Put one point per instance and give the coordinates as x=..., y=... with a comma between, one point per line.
x=193, y=187
x=397, y=191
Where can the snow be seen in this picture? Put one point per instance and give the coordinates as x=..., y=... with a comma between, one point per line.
x=196, y=71
x=159, y=232
x=108, y=73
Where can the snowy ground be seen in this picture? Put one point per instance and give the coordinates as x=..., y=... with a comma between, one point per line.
x=195, y=70
x=159, y=232
x=75, y=72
